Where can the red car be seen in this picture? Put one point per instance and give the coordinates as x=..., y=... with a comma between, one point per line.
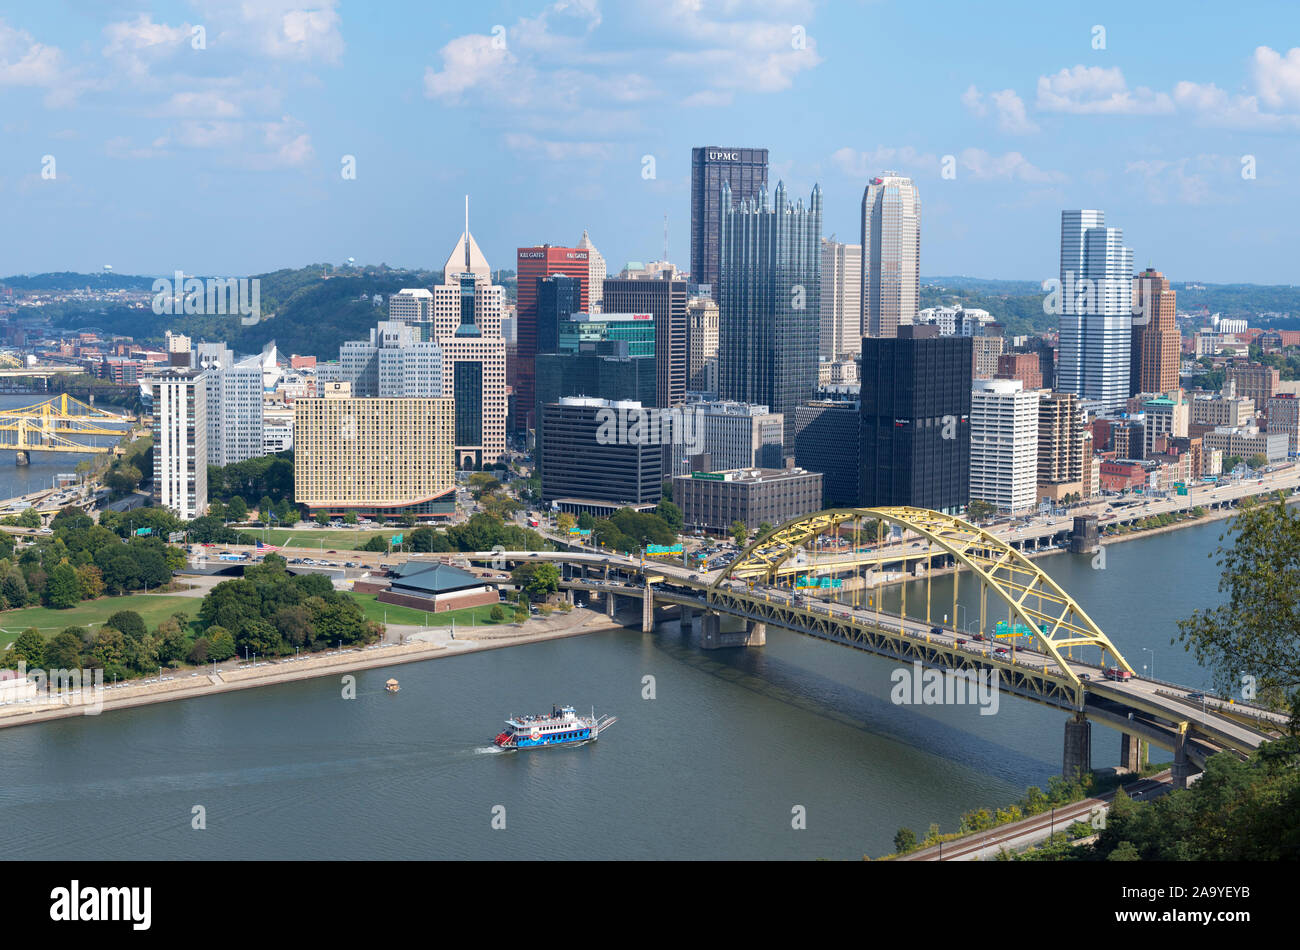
x=1115, y=673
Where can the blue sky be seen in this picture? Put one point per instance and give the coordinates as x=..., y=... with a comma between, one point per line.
x=220, y=150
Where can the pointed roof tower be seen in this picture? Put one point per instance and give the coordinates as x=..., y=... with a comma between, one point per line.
x=465, y=257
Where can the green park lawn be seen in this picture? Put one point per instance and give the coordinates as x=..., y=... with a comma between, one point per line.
x=470, y=616
x=153, y=608
x=313, y=537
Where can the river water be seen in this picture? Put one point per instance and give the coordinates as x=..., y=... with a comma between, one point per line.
x=16, y=480
x=733, y=744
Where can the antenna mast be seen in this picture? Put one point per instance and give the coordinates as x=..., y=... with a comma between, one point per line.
x=467, y=234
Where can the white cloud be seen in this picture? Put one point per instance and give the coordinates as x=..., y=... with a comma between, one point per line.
x=1189, y=181
x=136, y=45
x=1010, y=109
x=279, y=29
x=1277, y=77
x=556, y=150
x=1213, y=106
x=1096, y=90
x=1009, y=166
x=25, y=62
x=545, y=71
x=905, y=160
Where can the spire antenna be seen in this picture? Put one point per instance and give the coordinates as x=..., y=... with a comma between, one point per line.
x=467, y=264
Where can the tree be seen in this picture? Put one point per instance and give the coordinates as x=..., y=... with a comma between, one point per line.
x=521, y=614
x=350, y=517
x=123, y=479
x=90, y=581
x=64, y=651
x=30, y=647
x=129, y=622
x=221, y=645
x=904, y=840
x=764, y=529
x=322, y=519
x=979, y=509
x=586, y=521
x=62, y=589
x=1254, y=632
x=1231, y=462
x=536, y=579
x=496, y=614
x=739, y=533
x=29, y=518
x=108, y=648
x=671, y=514
x=565, y=522
x=198, y=654
x=1258, y=460
x=237, y=509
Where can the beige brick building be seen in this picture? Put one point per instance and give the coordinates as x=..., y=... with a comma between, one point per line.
x=380, y=457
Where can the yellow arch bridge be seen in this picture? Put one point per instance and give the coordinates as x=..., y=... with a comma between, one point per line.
x=59, y=424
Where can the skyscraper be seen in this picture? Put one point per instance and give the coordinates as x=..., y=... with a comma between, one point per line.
x=665, y=300
x=841, y=305
x=701, y=344
x=916, y=397
x=891, y=255
x=1004, y=444
x=595, y=274
x=769, y=306
x=534, y=263
x=180, y=436
x=1096, y=310
x=744, y=170
x=558, y=298
x=1156, y=343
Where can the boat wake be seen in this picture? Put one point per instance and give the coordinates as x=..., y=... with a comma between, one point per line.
x=490, y=750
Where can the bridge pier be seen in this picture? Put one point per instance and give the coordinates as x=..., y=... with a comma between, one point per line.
x=647, y=610
x=1132, y=752
x=713, y=637
x=1078, y=747
x=22, y=458
x=610, y=603
x=1183, y=768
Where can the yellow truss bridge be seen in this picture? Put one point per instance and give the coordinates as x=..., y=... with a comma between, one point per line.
x=58, y=425
x=1030, y=594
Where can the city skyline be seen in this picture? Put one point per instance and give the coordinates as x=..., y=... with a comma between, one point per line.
x=251, y=139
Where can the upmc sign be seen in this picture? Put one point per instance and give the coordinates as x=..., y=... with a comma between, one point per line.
x=723, y=156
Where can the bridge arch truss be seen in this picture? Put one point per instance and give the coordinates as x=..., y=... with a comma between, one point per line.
x=1030, y=593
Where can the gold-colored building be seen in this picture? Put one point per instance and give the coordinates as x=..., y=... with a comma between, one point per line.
x=377, y=457
x=1156, y=344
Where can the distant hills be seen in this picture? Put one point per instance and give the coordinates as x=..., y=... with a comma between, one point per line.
x=311, y=310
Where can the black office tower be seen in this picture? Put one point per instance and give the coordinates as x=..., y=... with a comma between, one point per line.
x=558, y=298
x=745, y=171
x=666, y=300
x=915, y=438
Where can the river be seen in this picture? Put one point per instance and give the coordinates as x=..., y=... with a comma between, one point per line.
x=716, y=765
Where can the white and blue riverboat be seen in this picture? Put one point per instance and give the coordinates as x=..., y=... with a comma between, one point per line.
x=562, y=727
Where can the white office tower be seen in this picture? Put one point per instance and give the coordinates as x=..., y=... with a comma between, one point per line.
x=180, y=441
x=176, y=342
x=1096, y=310
x=394, y=363
x=234, y=409
x=841, y=317
x=595, y=273
x=1004, y=443
x=411, y=305
x=891, y=255
x=733, y=435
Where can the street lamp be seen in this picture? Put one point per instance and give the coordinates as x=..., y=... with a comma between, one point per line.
x=1153, y=660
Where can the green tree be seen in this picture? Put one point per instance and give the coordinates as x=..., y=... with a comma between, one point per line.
x=221, y=645
x=199, y=651
x=322, y=519
x=30, y=646
x=496, y=614
x=904, y=841
x=565, y=522
x=1258, y=460
x=1254, y=632
x=586, y=521
x=129, y=622
x=739, y=533
x=979, y=509
x=536, y=579
x=64, y=651
x=350, y=517
x=237, y=509
x=62, y=589
x=265, y=508
x=671, y=514
x=764, y=529
x=29, y=518
x=521, y=614
x=108, y=648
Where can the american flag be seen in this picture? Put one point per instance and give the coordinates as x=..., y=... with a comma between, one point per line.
x=266, y=547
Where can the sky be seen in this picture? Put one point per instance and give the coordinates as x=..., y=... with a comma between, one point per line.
x=234, y=138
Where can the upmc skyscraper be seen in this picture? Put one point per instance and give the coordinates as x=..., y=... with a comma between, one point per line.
x=745, y=172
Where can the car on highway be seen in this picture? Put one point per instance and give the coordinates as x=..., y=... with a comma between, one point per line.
x=1196, y=697
x=1115, y=673
x=937, y=631
x=1085, y=676
x=961, y=642
x=979, y=638
x=1001, y=651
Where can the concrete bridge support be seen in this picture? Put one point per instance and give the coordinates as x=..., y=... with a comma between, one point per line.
x=611, y=603
x=713, y=637
x=710, y=631
x=1183, y=768
x=647, y=610
x=1078, y=747
x=1132, y=752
